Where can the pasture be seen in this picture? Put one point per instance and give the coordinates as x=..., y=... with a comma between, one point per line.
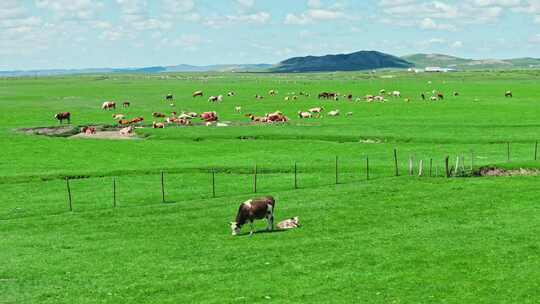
x=405, y=239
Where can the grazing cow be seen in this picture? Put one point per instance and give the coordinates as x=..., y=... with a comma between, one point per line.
x=434, y=98
x=218, y=98
x=118, y=116
x=230, y=94
x=349, y=113
x=254, y=209
x=137, y=120
x=407, y=100
x=169, y=97
x=423, y=96
x=272, y=92
x=286, y=98
x=126, y=131
x=257, y=96
x=63, y=116
x=396, y=94
x=126, y=104
x=88, y=130
x=124, y=122
x=257, y=118
x=158, y=115
x=209, y=116
x=108, y=105
x=349, y=97
x=317, y=110
x=238, y=109
x=333, y=113
x=158, y=125
x=382, y=92
x=276, y=117
x=198, y=94
x=304, y=114
x=293, y=222
x=379, y=98
x=456, y=94
x=440, y=96
x=508, y=94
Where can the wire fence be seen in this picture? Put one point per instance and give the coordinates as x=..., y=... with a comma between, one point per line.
x=73, y=194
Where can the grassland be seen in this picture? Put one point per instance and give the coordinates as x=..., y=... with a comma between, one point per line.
x=384, y=240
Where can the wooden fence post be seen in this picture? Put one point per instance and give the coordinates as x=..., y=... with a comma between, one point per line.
x=367, y=167
x=456, y=170
x=69, y=194
x=255, y=179
x=411, y=169
x=446, y=166
x=421, y=168
x=162, y=187
x=114, y=192
x=396, y=162
x=430, y=167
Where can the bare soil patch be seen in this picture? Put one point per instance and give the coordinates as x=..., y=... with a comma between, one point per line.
x=106, y=135
x=491, y=171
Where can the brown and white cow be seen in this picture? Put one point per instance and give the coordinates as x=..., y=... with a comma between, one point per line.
x=158, y=115
x=63, y=116
x=508, y=94
x=209, y=116
x=218, y=98
x=108, y=105
x=254, y=209
x=126, y=104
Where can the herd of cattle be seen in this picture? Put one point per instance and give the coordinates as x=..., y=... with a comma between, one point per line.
x=209, y=118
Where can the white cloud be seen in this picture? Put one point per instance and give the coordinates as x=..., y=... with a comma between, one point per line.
x=179, y=6
x=430, y=24
x=72, y=9
x=313, y=15
x=246, y=3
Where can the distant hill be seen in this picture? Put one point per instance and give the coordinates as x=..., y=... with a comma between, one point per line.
x=444, y=61
x=358, y=61
x=149, y=70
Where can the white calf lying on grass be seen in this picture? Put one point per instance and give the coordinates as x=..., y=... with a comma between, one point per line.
x=291, y=223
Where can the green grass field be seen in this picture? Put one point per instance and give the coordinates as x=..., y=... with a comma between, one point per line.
x=405, y=239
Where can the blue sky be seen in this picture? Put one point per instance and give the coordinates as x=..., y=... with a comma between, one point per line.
x=39, y=34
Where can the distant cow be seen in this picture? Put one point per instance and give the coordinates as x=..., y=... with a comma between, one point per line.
x=508, y=94
x=209, y=116
x=126, y=131
x=198, y=94
x=333, y=113
x=423, y=96
x=218, y=98
x=118, y=116
x=137, y=120
x=88, y=130
x=231, y=93
x=158, y=115
x=304, y=114
x=63, y=116
x=169, y=97
x=316, y=110
x=272, y=92
x=254, y=209
x=108, y=105
x=158, y=125
x=440, y=96
x=396, y=94
x=126, y=104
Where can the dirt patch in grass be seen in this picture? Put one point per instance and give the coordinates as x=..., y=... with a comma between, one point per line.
x=60, y=131
x=493, y=171
x=106, y=135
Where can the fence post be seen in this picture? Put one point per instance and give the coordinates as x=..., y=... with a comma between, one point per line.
x=162, y=187
x=421, y=169
x=446, y=166
x=430, y=167
x=367, y=167
x=337, y=174
x=213, y=183
x=456, y=170
x=472, y=161
x=396, y=162
x=69, y=194
x=114, y=192
x=255, y=179
x=411, y=170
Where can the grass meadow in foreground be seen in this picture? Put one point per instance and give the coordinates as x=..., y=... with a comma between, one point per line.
x=388, y=239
